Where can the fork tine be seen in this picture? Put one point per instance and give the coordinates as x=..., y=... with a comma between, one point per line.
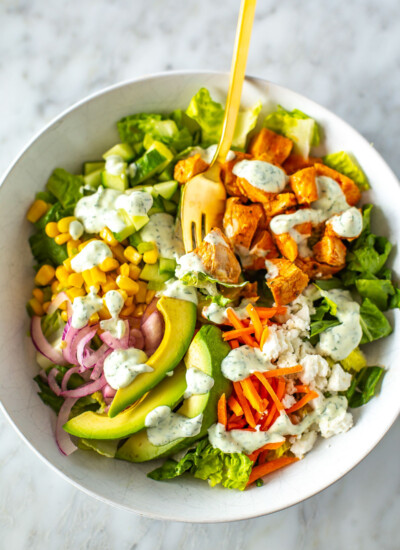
x=198, y=230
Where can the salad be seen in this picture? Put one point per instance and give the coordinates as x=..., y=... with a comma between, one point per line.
x=229, y=361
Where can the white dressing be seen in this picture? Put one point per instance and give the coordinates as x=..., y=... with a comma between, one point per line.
x=214, y=238
x=123, y=365
x=261, y=174
x=349, y=224
x=75, y=229
x=176, y=289
x=94, y=253
x=84, y=307
x=217, y=314
x=161, y=230
x=115, y=326
x=188, y=263
x=97, y=211
x=198, y=382
x=115, y=165
x=272, y=270
x=208, y=154
x=241, y=362
x=165, y=426
x=136, y=203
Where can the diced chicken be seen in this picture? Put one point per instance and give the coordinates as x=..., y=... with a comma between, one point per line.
x=188, y=168
x=349, y=188
x=228, y=178
x=218, y=258
x=330, y=250
x=296, y=162
x=304, y=185
x=271, y=147
x=249, y=291
x=262, y=248
x=315, y=269
x=277, y=204
x=241, y=221
x=290, y=282
x=287, y=246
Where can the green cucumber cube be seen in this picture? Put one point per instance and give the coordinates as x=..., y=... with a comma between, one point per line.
x=89, y=167
x=123, y=150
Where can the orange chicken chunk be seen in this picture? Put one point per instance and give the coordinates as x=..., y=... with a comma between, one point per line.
x=218, y=258
x=271, y=147
x=288, y=284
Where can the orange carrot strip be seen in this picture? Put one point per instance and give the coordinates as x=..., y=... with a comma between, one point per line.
x=236, y=323
x=282, y=372
x=234, y=344
x=303, y=401
x=255, y=319
x=234, y=405
x=269, y=389
x=251, y=395
x=264, y=336
x=244, y=404
x=222, y=415
x=268, y=467
x=268, y=447
x=267, y=422
x=302, y=388
x=230, y=335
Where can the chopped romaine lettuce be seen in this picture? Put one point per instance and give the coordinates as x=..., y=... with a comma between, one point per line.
x=364, y=386
x=377, y=290
x=373, y=322
x=346, y=164
x=66, y=188
x=46, y=250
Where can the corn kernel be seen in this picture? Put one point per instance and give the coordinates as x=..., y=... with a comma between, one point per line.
x=110, y=285
x=132, y=255
x=36, y=306
x=128, y=310
x=118, y=252
x=150, y=295
x=98, y=276
x=140, y=309
x=46, y=306
x=54, y=287
x=75, y=279
x=129, y=285
x=63, y=224
x=141, y=295
x=87, y=277
x=82, y=245
x=37, y=210
x=108, y=237
x=67, y=265
x=104, y=313
x=73, y=293
x=123, y=294
x=124, y=270
x=38, y=294
x=63, y=343
x=62, y=238
x=64, y=316
x=72, y=247
x=44, y=275
x=134, y=271
x=129, y=301
x=62, y=275
x=150, y=257
x=93, y=319
x=51, y=230
x=109, y=264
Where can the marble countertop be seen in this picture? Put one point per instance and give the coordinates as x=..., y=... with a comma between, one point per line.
x=344, y=55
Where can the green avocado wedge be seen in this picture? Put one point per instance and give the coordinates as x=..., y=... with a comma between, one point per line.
x=206, y=353
x=180, y=320
x=90, y=425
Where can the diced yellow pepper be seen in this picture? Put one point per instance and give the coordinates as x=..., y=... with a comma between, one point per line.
x=37, y=210
x=51, y=230
x=44, y=275
x=109, y=285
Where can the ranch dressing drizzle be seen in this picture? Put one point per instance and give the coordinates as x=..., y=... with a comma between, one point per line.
x=92, y=255
x=338, y=342
x=165, y=426
x=176, y=289
x=217, y=314
x=198, y=382
x=349, y=224
x=114, y=303
x=83, y=308
x=123, y=365
x=241, y=362
x=115, y=165
x=135, y=203
x=161, y=230
x=262, y=175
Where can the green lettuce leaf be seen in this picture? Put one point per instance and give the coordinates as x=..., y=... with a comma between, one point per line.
x=364, y=386
x=54, y=214
x=295, y=125
x=46, y=251
x=52, y=325
x=346, y=164
x=377, y=290
x=371, y=256
x=373, y=322
x=316, y=327
x=66, y=188
x=232, y=470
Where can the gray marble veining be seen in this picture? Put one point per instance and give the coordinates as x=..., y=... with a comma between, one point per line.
x=344, y=55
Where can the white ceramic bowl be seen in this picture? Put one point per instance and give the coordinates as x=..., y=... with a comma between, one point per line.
x=84, y=132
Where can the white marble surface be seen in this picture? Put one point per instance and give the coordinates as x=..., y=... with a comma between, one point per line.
x=346, y=56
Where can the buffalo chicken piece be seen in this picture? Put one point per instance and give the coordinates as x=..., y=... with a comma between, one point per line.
x=330, y=250
x=188, y=168
x=287, y=283
x=218, y=258
x=271, y=147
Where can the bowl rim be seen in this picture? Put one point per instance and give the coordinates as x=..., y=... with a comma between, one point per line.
x=14, y=163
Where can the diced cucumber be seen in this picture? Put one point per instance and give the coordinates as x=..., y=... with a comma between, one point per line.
x=167, y=266
x=151, y=272
x=146, y=188
x=155, y=285
x=167, y=174
x=123, y=150
x=140, y=221
x=145, y=247
x=157, y=207
x=165, y=129
x=89, y=167
x=93, y=178
x=135, y=240
x=120, y=183
x=129, y=226
x=154, y=160
x=169, y=206
x=166, y=189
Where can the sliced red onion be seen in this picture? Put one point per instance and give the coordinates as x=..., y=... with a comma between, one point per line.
x=116, y=343
x=98, y=368
x=149, y=310
x=63, y=439
x=135, y=322
x=86, y=389
x=42, y=345
x=51, y=379
x=94, y=356
x=153, y=332
x=136, y=339
x=81, y=350
x=108, y=391
x=73, y=338
x=58, y=300
x=67, y=376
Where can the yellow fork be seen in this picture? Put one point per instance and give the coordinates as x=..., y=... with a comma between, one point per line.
x=204, y=195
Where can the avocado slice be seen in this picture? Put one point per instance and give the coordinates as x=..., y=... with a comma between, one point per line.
x=180, y=320
x=206, y=353
x=91, y=425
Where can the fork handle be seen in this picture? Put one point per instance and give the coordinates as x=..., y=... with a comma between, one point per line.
x=238, y=68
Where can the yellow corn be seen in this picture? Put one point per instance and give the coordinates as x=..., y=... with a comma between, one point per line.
x=124, y=270
x=150, y=295
x=46, y=306
x=72, y=247
x=140, y=310
x=44, y=275
x=104, y=313
x=62, y=275
x=87, y=277
x=151, y=256
x=98, y=276
x=38, y=294
x=82, y=245
x=63, y=343
x=73, y=293
x=64, y=316
x=128, y=310
x=132, y=255
x=109, y=264
x=63, y=224
x=129, y=301
x=109, y=285
x=36, y=306
x=62, y=238
x=37, y=210
x=129, y=285
x=118, y=252
x=75, y=279
x=134, y=271
x=51, y=230
x=108, y=237
x=94, y=319
x=141, y=295
x=123, y=294
x=63, y=306
x=55, y=287
x=67, y=265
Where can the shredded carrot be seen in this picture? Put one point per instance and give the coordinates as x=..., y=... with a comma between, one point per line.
x=303, y=401
x=244, y=404
x=237, y=424
x=222, y=415
x=269, y=389
x=230, y=335
x=255, y=319
x=264, y=336
x=268, y=447
x=251, y=395
x=268, y=312
x=274, y=413
x=283, y=371
x=268, y=467
x=234, y=406
x=302, y=389
x=234, y=344
x=237, y=324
